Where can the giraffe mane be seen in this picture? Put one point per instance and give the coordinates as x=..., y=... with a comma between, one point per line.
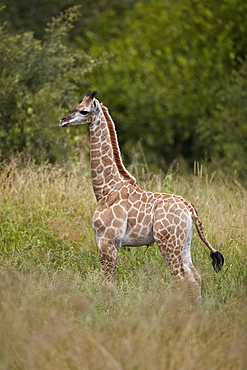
x=115, y=147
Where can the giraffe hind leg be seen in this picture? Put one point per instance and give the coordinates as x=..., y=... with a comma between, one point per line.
x=193, y=276
x=182, y=269
x=173, y=259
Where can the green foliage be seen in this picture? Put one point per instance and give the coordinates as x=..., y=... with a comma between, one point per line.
x=225, y=132
x=39, y=80
x=32, y=16
x=165, y=69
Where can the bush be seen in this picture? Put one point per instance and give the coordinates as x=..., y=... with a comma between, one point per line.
x=39, y=80
x=225, y=132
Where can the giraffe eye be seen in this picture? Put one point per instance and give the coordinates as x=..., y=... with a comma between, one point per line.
x=84, y=112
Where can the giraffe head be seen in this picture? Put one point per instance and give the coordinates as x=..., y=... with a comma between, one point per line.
x=84, y=113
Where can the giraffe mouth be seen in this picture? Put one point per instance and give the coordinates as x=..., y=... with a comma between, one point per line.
x=63, y=124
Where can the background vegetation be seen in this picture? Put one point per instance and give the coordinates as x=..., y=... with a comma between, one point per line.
x=173, y=74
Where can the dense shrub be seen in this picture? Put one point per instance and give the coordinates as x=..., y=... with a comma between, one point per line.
x=39, y=80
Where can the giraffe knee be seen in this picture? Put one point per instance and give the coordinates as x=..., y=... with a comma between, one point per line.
x=107, y=249
x=177, y=271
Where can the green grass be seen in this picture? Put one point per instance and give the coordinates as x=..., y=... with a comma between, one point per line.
x=55, y=314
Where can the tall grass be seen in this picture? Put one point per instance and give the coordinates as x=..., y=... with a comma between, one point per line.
x=55, y=314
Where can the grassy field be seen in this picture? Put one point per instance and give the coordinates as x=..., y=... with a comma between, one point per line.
x=55, y=314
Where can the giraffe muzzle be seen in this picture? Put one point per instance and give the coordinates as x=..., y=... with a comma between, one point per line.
x=63, y=123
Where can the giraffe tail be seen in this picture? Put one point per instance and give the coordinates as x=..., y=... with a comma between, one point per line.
x=217, y=257
x=217, y=260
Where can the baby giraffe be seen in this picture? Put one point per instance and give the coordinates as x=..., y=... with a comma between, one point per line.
x=129, y=216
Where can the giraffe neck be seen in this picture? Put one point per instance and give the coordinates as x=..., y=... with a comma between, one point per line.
x=107, y=169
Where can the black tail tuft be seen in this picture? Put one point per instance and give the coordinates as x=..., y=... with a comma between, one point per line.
x=217, y=260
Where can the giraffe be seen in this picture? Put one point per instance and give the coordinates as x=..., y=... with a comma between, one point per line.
x=129, y=216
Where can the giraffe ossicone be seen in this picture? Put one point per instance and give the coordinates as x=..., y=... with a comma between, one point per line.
x=129, y=216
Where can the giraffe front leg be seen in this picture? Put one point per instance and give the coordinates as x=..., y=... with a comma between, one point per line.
x=108, y=260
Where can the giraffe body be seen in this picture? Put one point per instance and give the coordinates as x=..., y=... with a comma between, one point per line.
x=129, y=216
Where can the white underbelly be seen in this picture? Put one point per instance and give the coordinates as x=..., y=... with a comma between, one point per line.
x=137, y=241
